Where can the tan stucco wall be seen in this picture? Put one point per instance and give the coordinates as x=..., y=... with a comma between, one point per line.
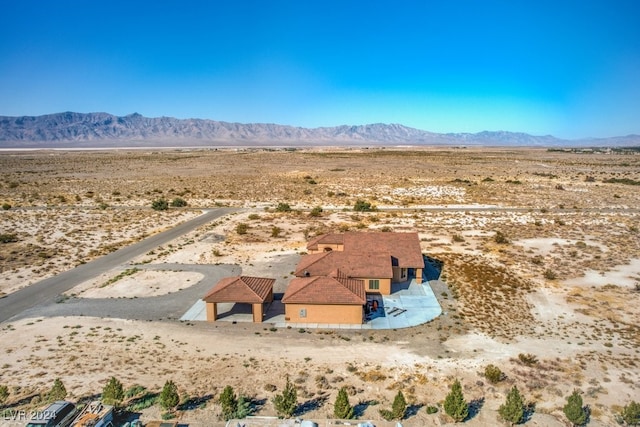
x=385, y=285
x=418, y=275
x=324, y=313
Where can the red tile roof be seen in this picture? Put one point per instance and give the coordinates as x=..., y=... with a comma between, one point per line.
x=404, y=247
x=351, y=264
x=243, y=289
x=325, y=290
x=331, y=238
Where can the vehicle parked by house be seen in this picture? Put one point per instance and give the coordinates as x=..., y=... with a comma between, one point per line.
x=58, y=414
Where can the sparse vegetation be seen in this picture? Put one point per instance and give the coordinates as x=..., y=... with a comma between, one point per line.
x=178, y=202
x=363, y=206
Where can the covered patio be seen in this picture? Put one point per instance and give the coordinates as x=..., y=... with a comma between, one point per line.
x=255, y=291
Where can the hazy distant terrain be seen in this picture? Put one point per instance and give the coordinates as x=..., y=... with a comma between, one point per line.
x=102, y=130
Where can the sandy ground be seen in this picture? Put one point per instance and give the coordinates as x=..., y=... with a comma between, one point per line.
x=562, y=288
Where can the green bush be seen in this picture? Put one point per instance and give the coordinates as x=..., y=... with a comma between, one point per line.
x=160, y=205
x=4, y=394
x=342, y=409
x=8, y=238
x=58, y=391
x=363, y=206
x=500, y=238
x=178, y=202
x=6, y=206
x=512, y=411
x=631, y=414
x=283, y=207
x=315, y=212
x=493, y=374
x=432, y=409
x=242, y=228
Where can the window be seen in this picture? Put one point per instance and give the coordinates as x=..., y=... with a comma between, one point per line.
x=303, y=312
x=374, y=284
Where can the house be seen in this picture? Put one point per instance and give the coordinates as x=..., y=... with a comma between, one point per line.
x=364, y=252
x=332, y=281
x=256, y=291
x=325, y=299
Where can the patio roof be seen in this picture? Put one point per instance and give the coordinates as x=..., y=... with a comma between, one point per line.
x=243, y=289
x=325, y=290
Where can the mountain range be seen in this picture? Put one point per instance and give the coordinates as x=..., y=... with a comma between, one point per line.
x=70, y=130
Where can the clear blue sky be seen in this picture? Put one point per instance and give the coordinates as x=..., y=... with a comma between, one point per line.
x=567, y=68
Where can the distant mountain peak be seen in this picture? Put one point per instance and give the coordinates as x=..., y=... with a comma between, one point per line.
x=71, y=129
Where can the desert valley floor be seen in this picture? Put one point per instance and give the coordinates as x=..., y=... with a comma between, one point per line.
x=540, y=254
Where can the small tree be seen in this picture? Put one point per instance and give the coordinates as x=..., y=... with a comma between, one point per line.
x=399, y=406
x=113, y=393
x=454, y=404
x=160, y=205
x=286, y=403
x=574, y=411
x=631, y=414
x=58, y=391
x=178, y=202
x=513, y=409
x=228, y=403
x=4, y=394
x=169, y=397
x=245, y=407
x=342, y=409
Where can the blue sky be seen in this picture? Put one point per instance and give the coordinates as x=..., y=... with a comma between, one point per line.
x=567, y=68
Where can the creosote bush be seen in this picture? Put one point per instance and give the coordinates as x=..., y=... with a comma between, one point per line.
x=160, y=205
x=493, y=374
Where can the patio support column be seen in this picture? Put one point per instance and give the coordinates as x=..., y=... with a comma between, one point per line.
x=418, y=275
x=257, y=312
x=212, y=311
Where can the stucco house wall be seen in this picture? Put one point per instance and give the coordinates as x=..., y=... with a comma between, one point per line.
x=320, y=313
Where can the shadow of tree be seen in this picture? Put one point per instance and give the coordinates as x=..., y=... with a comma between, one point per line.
x=474, y=407
x=529, y=409
x=311, y=405
x=194, y=403
x=412, y=410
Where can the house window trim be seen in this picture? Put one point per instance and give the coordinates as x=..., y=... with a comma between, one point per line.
x=374, y=284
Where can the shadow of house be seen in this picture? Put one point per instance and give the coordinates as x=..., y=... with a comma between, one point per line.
x=432, y=268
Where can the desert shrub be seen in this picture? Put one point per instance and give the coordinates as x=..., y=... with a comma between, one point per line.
x=178, y=202
x=283, y=207
x=270, y=387
x=500, y=238
x=242, y=228
x=631, y=414
x=113, y=393
x=550, y=274
x=432, y=409
x=493, y=374
x=574, y=411
x=488, y=179
x=286, y=402
x=454, y=404
x=169, y=397
x=8, y=238
x=276, y=231
x=160, y=205
x=342, y=409
x=512, y=411
x=457, y=238
x=363, y=206
x=244, y=408
x=589, y=178
x=316, y=212
x=399, y=406
x=6, y=206
x=102, y=206
x=527, y=359
x=254, y=216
